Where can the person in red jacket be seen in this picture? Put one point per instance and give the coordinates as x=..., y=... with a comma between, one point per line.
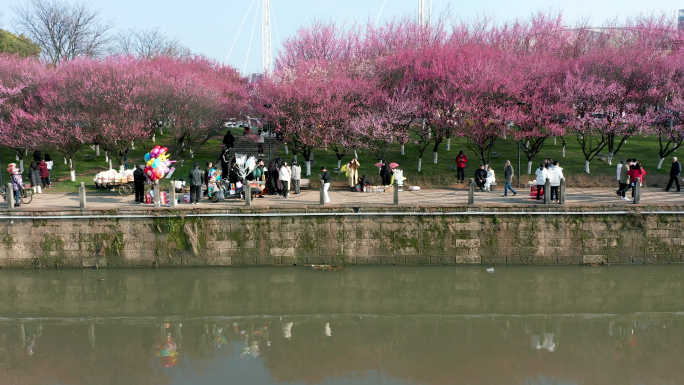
x=461, y=161
x=44, y=173
x=636, y=175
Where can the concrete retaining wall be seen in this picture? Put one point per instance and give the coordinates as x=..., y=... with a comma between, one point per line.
x=350, y=240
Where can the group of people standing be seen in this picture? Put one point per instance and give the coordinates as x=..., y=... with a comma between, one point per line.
x=629, y=173
x=39, y=172
x=552, y=171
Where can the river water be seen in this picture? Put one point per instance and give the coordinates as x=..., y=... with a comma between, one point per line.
x=374, y=325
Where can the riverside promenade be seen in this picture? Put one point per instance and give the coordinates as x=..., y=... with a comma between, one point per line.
x=576, y=198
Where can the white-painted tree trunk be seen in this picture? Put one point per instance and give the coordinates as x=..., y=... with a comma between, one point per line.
x=154, y=137
x=563, y=151
x=16, y=158
x=106, y=156
x=356, y=155
x=121, y=169
x=161, y=130
x=295, y=158
x=110, y=163
x=26, y=152
x=448, y=144
x=402, y=149
x=72, y=172
x=339, y=163
x=97, y=150
x=660, y=163
x=21, y=165
x=65, y=162
x=529, y=167
x=420, y=163
x=286, y=150
x=132, y=145
x=554, y=140
x=586, y=166
x=434, y=157
x=308, y=168
x=609, y=161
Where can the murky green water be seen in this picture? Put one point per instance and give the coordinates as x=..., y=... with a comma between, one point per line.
x=384, y=325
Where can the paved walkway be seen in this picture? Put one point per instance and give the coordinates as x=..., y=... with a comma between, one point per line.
x=575, y=197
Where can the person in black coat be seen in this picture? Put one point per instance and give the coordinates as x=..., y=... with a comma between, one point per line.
x=229, y=140
x=674, y=174
x=272, y=178
x=386, y=174
x=225, y=162
x=139, y=180
x=481, y=177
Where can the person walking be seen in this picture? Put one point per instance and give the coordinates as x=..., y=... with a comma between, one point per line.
x=17, y=184
x=674, y=174
x=461, y=163
x=617, y=176
x=481, y=177
x=325, y=179
x=624, y=180
x=196, y=177
x=285, y=175
x=34, y=175
x=139, y=180
x=229, y=140
x=555, y=176
x=44, y=174
x=542, y=174
x=49, y=163
x=296, y=176
x=509, y=174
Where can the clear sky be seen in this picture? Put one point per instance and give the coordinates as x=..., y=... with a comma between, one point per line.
x=209, y=27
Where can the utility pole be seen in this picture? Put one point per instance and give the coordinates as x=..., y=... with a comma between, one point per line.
x=266, y=35
x=424, y=12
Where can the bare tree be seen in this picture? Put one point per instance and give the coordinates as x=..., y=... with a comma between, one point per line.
x=62, y=30
x=148, y=43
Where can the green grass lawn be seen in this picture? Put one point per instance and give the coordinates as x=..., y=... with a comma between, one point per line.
x=643, y=148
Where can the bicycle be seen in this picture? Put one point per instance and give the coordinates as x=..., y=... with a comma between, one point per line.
x=26, y=195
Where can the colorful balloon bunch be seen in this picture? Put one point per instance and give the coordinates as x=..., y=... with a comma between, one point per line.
x=158, y=163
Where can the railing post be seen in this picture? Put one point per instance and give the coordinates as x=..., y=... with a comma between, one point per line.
x=561, y=192
x=172, y=194
x=157, y=194
x=547, y=192
x=10, y=197
x=471, y=192
x=248, y=194
x=637, y=191
x=396, y=193
x=322, y=194
x=82, y=196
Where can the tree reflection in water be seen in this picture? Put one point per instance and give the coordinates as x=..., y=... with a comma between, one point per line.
x=582, y=349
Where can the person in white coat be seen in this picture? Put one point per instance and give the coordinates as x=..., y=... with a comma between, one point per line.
x=542, y=173
x=555, y=175
x=491, y=178
x=285, y=174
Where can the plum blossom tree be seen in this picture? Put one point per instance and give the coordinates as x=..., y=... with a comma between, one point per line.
x=194, y=97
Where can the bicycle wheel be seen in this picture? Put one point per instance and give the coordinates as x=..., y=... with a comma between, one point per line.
x=26, y=196
x=125, y=189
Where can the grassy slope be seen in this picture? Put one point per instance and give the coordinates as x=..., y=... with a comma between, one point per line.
x=645, y=149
